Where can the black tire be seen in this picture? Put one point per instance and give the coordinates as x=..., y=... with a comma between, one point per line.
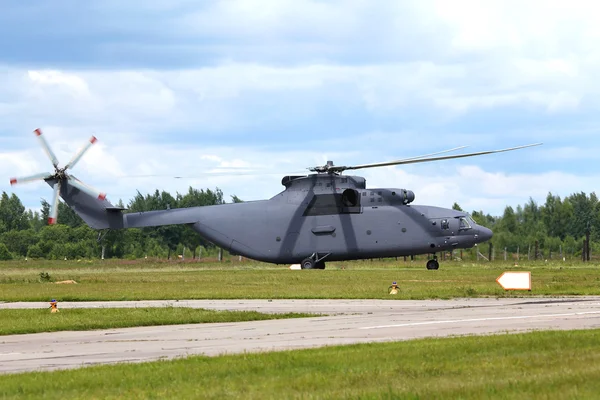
x=320, y=265
x=433, y=264
x=307, y=263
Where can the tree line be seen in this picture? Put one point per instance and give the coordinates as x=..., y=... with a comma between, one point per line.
x=556, y=228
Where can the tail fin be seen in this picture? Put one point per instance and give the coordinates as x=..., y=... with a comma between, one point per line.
x=97, y=211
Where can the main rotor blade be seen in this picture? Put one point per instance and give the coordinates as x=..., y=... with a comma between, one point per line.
x=81, y=152
x=211, y=174
x=47, y=149
x=30, y=178
x=53, y=216
x=86, y=188
x=432, y=154
x=401, y=162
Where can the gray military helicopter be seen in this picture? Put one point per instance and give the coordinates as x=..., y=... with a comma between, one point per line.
x=318, y=217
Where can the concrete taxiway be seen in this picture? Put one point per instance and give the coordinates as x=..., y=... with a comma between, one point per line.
x=346, y=322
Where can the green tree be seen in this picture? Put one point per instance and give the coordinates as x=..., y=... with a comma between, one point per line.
x=12, y=213
x=4, y=253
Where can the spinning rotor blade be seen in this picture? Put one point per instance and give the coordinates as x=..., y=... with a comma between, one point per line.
x=86, y=189
x=409, y=161
x=52, y=218
x=31, y=178
x=47, y=149
x=81, y=152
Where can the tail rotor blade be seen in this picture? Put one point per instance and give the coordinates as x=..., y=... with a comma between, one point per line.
x=81, y=152
x=53, y=217
x=31, y=178
x=47, y=149
x=86, y=189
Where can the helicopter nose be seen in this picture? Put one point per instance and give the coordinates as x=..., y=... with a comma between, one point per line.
x=485, y=234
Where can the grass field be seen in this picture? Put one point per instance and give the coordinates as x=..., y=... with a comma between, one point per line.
x=540, y=365
x=151, y=280
x=32, y=321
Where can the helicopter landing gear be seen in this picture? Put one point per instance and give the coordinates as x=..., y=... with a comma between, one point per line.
x=433, y=264
x=314, y=262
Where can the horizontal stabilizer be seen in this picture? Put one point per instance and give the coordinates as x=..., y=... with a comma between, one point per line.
x=115, y=209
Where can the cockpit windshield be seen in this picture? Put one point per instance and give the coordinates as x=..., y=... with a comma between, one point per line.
x=465, y=222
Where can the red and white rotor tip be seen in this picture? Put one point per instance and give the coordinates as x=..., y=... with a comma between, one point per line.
x=51, y=221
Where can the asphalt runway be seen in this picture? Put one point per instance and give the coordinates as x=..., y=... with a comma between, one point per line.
x=348, y=321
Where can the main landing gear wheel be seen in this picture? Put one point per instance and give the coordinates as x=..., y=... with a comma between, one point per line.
x=433, y=264
x=309, y=263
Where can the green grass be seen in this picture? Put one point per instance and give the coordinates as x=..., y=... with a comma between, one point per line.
x=146, y=280
x=539, y=365
x=32, y=321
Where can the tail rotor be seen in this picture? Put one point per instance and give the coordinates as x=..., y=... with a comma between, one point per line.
x=59, y=177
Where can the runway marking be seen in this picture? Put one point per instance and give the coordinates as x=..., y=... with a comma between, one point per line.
x=479, y=320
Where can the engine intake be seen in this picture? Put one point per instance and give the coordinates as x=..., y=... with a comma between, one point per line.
x=350, y=198
x=407, y=196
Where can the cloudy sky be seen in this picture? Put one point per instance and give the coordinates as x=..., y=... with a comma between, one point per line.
x=174, y=88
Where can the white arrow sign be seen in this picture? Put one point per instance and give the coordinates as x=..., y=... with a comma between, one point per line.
x=515, y=280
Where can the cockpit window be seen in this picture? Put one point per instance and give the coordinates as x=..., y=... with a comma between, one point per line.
x=445, y=224
x=464, y=223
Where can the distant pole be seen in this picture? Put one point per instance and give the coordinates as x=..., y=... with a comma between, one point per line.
x=490, y=251
x=560, y=251
x=220, y=254
x=535, y=256
x=505, y=254
x=518, y=253
x=103, y=249
x=529, y=252
x=183, y=253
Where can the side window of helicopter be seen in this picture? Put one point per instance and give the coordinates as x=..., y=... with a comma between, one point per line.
x=445, y=224
x=464, y=224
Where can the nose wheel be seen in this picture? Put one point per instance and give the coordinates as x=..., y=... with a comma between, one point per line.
x=433, y=264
